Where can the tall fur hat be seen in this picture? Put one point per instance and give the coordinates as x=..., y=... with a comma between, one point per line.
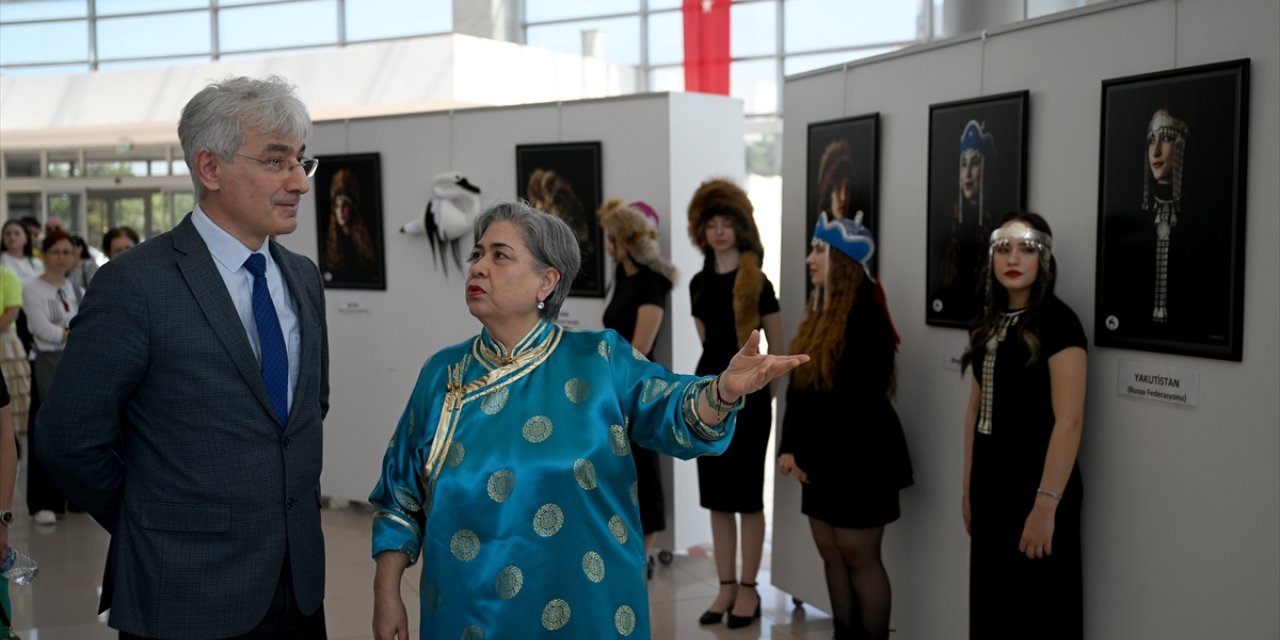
x=721, y=197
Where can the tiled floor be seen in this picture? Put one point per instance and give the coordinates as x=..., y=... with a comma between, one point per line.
x=61, y=603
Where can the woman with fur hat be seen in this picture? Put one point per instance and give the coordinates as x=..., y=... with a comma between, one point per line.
x=731, y=297
x=640, y=287
x=851, y=468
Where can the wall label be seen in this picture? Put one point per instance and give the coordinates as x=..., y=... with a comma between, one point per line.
x=1158, y=382
x=352, y=307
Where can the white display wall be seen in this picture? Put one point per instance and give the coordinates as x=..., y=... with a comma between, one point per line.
x=1182, y=506
x=656, y=148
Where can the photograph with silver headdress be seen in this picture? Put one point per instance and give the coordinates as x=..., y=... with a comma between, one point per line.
x=977, y=173
x=1171, y=225
x=842, y=172
x=348, y=192
x=564, y=180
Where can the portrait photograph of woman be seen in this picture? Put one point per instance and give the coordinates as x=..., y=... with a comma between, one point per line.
x=565, y=181
x=349, y=222
x=1171, y=212
x=977, y=173
x=843, y=161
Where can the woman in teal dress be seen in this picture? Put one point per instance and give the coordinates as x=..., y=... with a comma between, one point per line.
x=510, y=470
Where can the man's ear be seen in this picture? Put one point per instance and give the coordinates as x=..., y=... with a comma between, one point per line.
x=209, y=169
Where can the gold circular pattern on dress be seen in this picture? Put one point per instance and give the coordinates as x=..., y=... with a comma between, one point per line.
x=432, y=597
x=501, y=484
x=585, y=473
x=548, y=520
x=635, y=493
x=618, y=528
x=494, y=402
x=618, y=440
x=577, y=390
x=593, y=566
x=509, y=582
x=474, y=632
x=653, y=388
x=456, y=453
x=682, y=437
x=465, y=544
x=624, y=620
x=537, y=429
x=555, y=615
x=604, y=350
x=406, y=500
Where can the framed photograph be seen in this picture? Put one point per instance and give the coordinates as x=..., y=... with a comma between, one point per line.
x=348, y=192
x=842, y=174
x=565, y=180
x=1171, y=219
x=977, y=174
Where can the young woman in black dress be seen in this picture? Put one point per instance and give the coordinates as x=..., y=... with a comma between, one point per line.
x=851, y=467
x=1022, y=488
x=641, y=283
x=731, y=297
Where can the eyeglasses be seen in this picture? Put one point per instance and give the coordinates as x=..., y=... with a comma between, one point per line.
x=277, y=165
x=60, y=252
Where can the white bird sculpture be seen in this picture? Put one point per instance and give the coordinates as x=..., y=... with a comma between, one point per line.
x=448, y=217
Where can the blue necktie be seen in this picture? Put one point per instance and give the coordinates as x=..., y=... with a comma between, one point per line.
x=275, y=359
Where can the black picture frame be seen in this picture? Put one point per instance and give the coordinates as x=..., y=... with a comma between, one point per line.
x=569, y=186
x=1171, y=229
x=857, y=165
x=351, y=255
x=959, y=227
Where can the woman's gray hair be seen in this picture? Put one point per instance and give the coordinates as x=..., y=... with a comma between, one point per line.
x=549, y=239
x=216, y=118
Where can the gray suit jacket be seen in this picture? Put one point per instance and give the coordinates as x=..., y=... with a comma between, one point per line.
x=159, y=425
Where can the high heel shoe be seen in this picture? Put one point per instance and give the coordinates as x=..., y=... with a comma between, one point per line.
x=714, y=617
x=737, y=622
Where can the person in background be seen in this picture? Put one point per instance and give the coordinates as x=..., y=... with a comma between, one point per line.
x=187, y=415
x=14, y=365
x=34, y=232
x=841, y=436
x=49, y=303
x=731, y=299
x=1022, y=488
x=19, y=251
x=117, y=240
x=510, y=470
x=85, y=267
x=641, y=283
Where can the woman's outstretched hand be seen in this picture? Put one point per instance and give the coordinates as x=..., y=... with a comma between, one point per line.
x=750, y=371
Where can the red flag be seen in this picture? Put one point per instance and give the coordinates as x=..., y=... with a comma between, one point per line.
x=706, y=46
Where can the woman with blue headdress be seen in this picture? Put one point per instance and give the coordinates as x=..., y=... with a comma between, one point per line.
x=852, y=468
x=971, y=224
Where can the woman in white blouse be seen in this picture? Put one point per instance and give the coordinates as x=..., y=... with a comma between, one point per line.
x=17, y=255
x=49, y=302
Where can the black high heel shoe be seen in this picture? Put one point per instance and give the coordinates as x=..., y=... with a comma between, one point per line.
x=737, y=622
x=714, y=617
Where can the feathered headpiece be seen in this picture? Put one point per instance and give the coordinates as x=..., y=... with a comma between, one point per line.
x=720, y=197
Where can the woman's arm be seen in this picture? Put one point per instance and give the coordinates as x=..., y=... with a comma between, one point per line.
x=10, y=314
x=1067, y=370
x=36, y=304
x=648, y=320
x=390, y=620
x=702, y=330
x=970, y=422
x=8, y=470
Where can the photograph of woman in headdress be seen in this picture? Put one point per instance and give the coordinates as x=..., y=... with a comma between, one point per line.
x=564, y=180
x=971, y=221
x=841, y=165
x=1162, y=196
x=350, y=219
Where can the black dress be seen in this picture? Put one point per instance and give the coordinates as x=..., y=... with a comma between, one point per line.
x=848, y=439
x=733, y=482
x=629, y=294
x=1010, y=594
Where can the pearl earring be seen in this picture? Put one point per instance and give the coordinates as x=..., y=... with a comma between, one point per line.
x=541, y=305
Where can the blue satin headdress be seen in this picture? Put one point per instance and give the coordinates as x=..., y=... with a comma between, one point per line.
x=849, y=237
x=972, y=138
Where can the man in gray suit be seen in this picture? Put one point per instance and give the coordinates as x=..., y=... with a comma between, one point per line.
x=186, y=414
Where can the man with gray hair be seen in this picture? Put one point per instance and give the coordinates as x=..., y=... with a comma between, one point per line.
x=186, y=414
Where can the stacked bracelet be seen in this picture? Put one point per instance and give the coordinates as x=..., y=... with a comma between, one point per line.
x=1052, y=494
x=719, y=404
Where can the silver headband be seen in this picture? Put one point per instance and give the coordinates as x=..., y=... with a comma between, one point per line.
x=1020, y=231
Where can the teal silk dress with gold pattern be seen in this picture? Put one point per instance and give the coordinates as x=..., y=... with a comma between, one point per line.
x=512, y=473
